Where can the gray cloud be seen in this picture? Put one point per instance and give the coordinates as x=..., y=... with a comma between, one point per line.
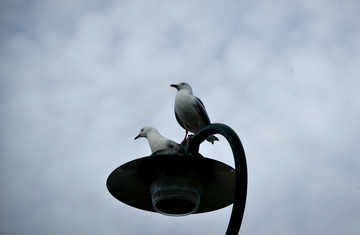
x=78, y=81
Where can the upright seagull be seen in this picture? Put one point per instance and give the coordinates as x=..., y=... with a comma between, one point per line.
x=156, y=141
x=190, y=111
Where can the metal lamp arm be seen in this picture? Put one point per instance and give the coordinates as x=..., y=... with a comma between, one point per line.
x=240, y=168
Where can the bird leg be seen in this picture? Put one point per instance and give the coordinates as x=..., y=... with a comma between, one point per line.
x=186, y=133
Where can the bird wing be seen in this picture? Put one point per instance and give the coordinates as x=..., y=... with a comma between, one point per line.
x=172, y=144
x=200, y=107
x=179, y=121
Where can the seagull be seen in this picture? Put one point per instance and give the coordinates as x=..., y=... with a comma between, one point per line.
x=190, y=111
x=156, y=141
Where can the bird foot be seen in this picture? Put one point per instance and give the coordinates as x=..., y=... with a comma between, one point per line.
x=184, y=140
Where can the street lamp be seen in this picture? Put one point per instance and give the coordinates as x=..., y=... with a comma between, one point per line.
x=180, y=181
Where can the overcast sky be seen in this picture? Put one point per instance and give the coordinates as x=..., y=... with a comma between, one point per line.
x=78, y=79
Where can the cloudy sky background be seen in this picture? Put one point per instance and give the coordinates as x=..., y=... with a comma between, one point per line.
x=78, y=79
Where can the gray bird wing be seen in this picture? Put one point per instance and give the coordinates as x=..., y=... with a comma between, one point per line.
x=200, y=107
x=172, y=144
x=179, y=121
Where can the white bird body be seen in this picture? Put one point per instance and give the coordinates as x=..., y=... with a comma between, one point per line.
x=156, y=140
x=190, y=111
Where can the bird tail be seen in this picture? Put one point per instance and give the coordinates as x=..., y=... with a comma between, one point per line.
x=212, y=139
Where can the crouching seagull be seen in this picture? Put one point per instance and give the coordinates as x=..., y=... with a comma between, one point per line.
x=156, y=141
x=190, y=111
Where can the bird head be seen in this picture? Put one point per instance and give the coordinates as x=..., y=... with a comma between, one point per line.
x=145, y=131
x=142, y=133
x=182, y=86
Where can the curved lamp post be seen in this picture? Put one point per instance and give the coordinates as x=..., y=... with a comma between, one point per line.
x=180, y=181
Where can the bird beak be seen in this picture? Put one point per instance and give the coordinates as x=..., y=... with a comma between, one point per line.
x=173, y=85
x=137, y=136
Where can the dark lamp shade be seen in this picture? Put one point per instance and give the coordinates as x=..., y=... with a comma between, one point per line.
x=174, y=184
